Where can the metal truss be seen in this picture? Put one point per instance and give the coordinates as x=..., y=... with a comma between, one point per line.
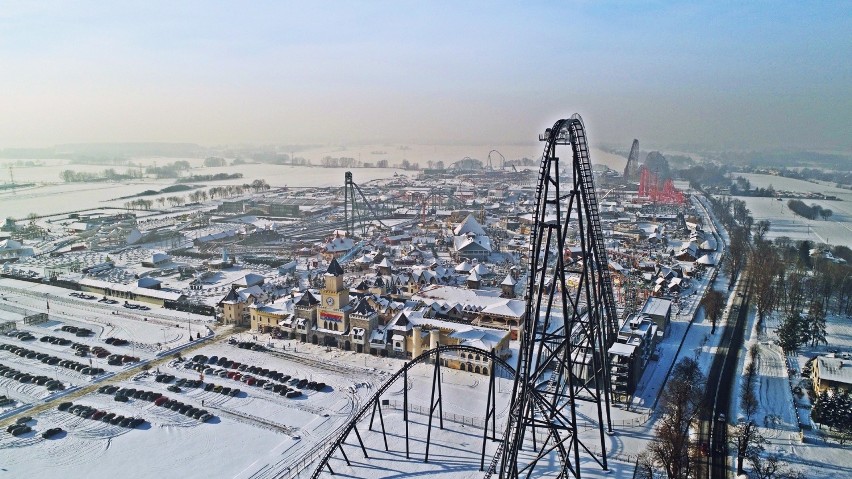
x=357, y=209
x=568, y=328
x=373, y=407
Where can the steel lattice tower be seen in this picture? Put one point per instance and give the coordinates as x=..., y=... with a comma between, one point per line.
x=631, y=170
x=568, y=328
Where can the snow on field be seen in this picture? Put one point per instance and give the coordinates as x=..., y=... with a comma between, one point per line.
x=835, y=230
x=257, y=434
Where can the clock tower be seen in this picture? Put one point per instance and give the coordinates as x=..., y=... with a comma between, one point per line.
x=335, y=297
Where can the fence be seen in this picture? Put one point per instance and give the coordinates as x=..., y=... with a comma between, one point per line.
x=37, y=318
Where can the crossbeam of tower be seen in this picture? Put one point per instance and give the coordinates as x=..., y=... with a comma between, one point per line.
x=567, y=329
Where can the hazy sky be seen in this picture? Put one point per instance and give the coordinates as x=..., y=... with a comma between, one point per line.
x=738, y=74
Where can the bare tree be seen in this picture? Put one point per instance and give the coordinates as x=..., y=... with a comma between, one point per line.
x=713, y=302
x=764, y=266
x=680, y=405
x=816, y=323
x=760, y=229
x=746, y=437
x=770, y=467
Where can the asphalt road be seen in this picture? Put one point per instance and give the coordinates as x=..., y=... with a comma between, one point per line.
x=719, y=393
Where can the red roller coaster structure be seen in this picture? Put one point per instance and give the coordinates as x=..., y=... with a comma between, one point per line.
x=649, y=188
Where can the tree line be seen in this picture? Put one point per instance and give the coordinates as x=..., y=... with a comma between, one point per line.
x=810, y=212
x=199, y=196
x=109, y=174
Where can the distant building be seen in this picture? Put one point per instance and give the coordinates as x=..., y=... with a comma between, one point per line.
x=470, y=241
x=157, y=259
x=11, y=250
x=236, y=303
x=146, y=290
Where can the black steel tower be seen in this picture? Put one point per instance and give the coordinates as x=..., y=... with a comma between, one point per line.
x=568, y=328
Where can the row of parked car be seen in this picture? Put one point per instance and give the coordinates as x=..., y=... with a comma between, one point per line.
x=250, y=345
x=83, y=350
x=79, y=332
x=51, y=360
x=4, y=401
x=88, y=412
x=24, y=378
x=22, y=335
x=21, y=426
x=81, y=295
x=140, y=307
x=116, y=341
x=238, y=372
x=55, y=340
x=185, y=409
x=158, y=399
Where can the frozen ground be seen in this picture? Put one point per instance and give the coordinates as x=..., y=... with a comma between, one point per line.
x=837, y=230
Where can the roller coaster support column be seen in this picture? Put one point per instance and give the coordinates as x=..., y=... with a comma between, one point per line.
x=405, y=408
x=568, y=328
x=436, y=384
x=490, y=411
x=378, y=405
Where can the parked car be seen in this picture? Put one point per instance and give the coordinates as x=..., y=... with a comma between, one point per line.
x=21, y=430
x=51, y=432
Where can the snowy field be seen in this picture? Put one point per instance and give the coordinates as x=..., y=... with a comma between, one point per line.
x=836, y=230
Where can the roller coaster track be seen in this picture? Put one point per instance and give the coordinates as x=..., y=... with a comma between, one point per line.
x=373, y=402
x=573, y=334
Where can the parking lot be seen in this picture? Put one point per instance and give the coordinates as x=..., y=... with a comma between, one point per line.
x=249, y=397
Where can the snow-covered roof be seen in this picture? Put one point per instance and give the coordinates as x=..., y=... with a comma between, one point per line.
x=307, y=299
x=705, y=260
x=250, y=279
x=834, y=369
x=464, y=242
x=132, y=288
x=507, y=307
x=482, y=338
x=339, y=244
x=481, y=269
x=10, y=244
x=469, y=225
x=622, y=349
x=657, y=306
x=463, y=267
x=508, y=281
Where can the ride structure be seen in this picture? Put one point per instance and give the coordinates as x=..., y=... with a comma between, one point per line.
x=567, y=331
x=650, y=189
x=358, y=211
x=562, y=361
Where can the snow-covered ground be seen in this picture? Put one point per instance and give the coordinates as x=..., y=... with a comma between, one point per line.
x=781, y=412
x=835, y=230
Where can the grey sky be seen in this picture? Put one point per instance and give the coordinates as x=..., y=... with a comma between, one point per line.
x=763, y=74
